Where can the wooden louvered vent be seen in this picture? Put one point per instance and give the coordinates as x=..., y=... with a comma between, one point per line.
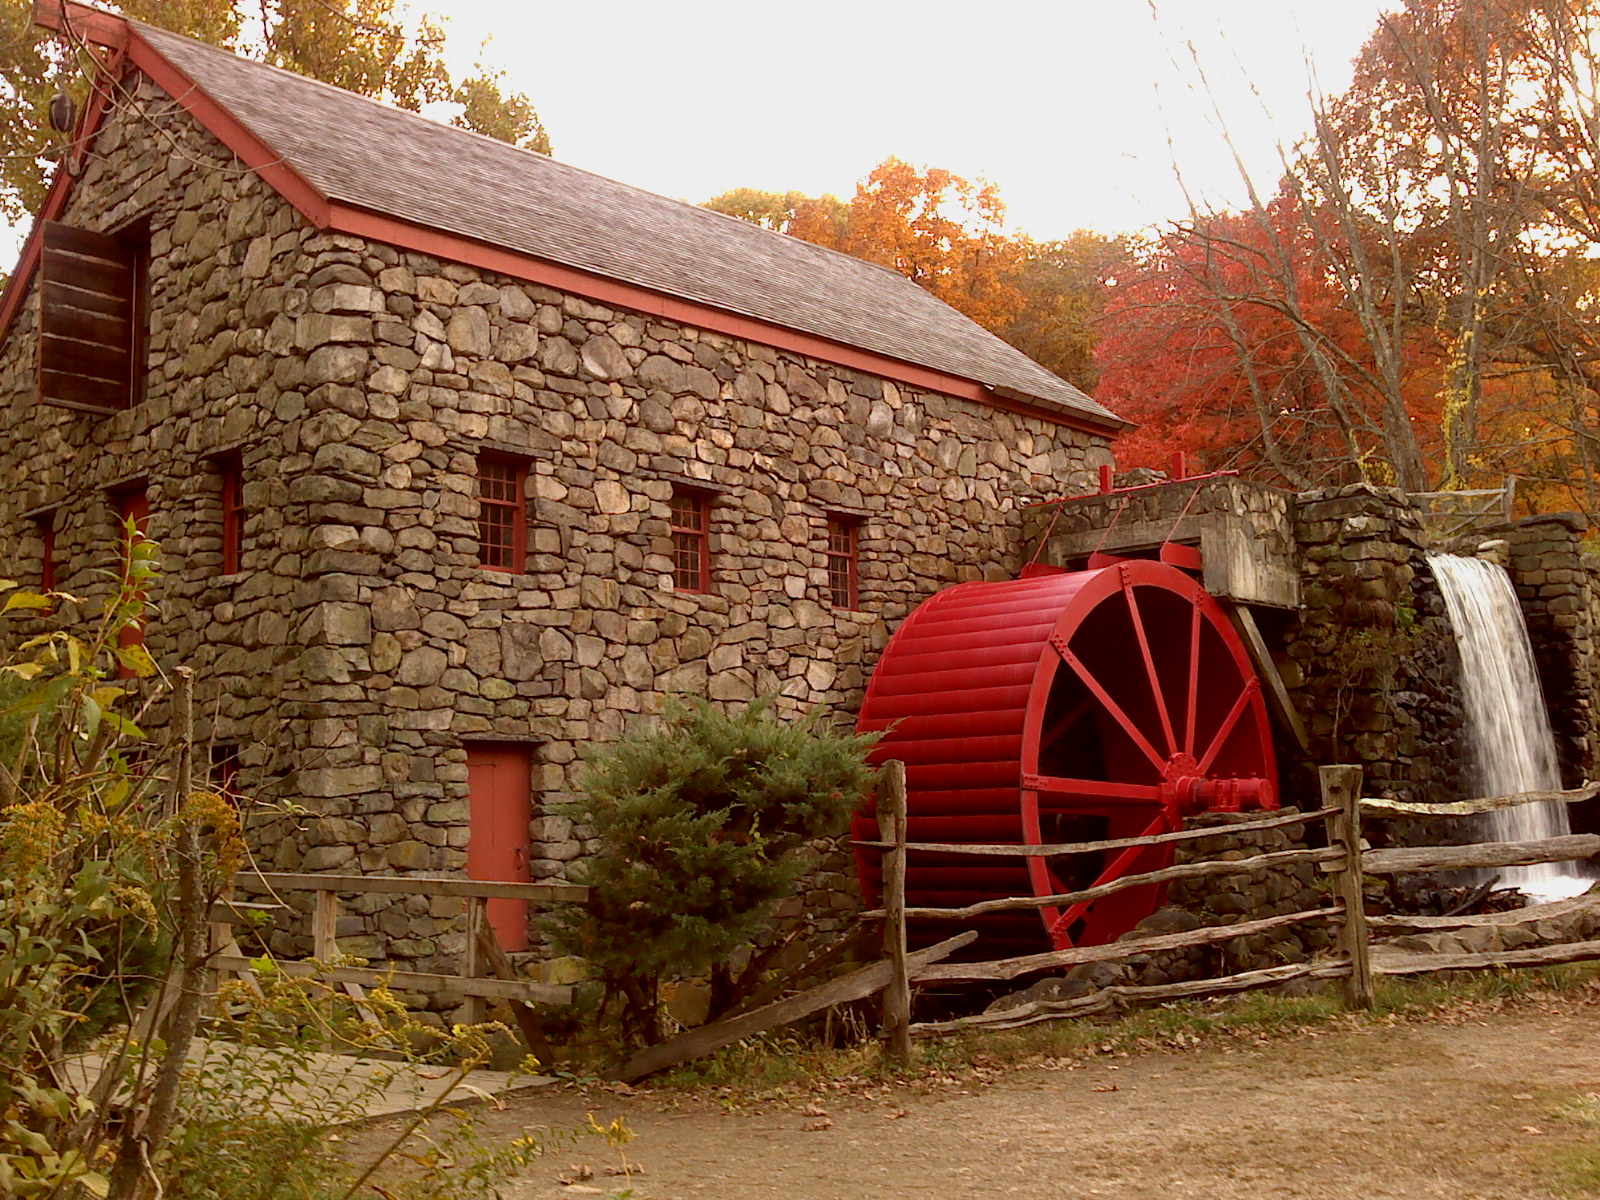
x=91, y=318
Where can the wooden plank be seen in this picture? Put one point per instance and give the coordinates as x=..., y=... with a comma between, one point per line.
x=324, y=923
x=58, y=297
x=1566, y=848
x=1114, y=997
x=87, y=325
x=1012, y=968
x=1279, y=702
x=413, y=885
x=241, y=912
x=449, y=986
x=77, y=391
x=1200, y=870
x=1533, y=956
x=64, y=357
x=1395, y=925
x=1341, y=789
x=477, y=1011
x=857, y=985
x=499, y=965
x=897, y=995
x=1467, y=808
x=102, y=277
x=1062, y=848
x=74, y=239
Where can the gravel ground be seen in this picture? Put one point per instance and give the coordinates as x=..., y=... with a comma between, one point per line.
x=1460, y=1105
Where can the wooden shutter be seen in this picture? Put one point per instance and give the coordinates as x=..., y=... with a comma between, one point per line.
x=90, y=309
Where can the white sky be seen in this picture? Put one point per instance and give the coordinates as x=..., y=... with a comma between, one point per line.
x=1075, y=108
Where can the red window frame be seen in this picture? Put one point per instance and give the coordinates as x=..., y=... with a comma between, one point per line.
x=133, y=504
x=230, y=469
x=690, y=523
x=502, y=513
x=47, y=552
x=844, y=561
x=224, y=757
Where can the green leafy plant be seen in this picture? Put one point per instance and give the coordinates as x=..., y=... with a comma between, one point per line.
x=107, y=876
x=698, y=820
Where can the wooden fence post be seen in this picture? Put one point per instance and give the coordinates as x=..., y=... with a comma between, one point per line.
x=476, y=1007
x=892, y=828
x=1341, y=788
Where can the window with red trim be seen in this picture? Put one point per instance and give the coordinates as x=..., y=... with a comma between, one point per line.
x=47, y=551
x=133, y=504
x=843, y=561
x=230, y=472
x=691, y=540
x=225, y=770
x=502, y=513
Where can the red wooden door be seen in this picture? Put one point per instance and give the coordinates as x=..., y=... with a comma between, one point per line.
x=500, y=804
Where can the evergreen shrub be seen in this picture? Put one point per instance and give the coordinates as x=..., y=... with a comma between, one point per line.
x=699, y=819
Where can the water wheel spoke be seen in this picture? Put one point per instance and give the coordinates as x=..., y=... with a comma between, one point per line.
x=1055, y=785
x=1157, y=759
x=1156, y=693
x=1115, y=869
x=1194, y=680
x=1225, y=731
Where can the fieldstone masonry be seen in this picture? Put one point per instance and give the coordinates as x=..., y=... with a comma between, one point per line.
x=361, y=648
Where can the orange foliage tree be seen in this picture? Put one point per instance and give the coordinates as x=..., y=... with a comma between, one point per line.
x=1417, y=304
x=948, y=234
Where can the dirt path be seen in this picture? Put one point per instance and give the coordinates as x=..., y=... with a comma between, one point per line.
x=1458, y=1107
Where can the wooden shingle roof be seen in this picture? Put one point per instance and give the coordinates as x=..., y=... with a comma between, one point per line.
x=362, y=155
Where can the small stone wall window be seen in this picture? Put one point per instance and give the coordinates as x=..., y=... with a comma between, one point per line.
x=92, y=316
x=691, y=540
x=843, y=561
x=502, y=512
x=230, y=477
x=46, y=525
x=224, y=765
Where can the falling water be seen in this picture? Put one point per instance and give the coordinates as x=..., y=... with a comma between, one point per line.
x=1513, y=749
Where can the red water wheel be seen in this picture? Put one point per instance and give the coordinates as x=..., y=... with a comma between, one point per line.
x=1063, y=707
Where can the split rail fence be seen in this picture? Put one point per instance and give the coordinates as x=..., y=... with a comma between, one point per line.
x=485, y=974
x=1345, y=859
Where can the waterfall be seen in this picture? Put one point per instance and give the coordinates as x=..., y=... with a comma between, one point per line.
x=1508, y=730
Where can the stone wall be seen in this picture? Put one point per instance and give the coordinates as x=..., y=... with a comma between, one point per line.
x=361, y=649
x=1556, y=589
x=1246, y=897
x=1371, y=661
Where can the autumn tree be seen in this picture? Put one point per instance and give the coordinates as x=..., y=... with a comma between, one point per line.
x=366, y=46
x=943, y=232
x=1063, y=287
x=1418, y=292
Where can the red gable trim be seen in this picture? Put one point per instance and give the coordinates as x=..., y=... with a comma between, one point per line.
x=61, y=186
x=252, y=151
x=323, y=213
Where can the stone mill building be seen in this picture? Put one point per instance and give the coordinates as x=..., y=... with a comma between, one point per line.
x=460, y=457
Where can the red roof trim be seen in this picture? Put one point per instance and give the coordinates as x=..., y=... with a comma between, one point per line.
x=256, y=154
x=60, y=187
x=454, y=248
x=92, y=25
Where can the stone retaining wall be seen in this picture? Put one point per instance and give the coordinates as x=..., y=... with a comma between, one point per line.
x=1371, y=661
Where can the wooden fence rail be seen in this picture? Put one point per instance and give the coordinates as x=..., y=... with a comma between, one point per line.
x=1345, y=859
x=485, y=971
